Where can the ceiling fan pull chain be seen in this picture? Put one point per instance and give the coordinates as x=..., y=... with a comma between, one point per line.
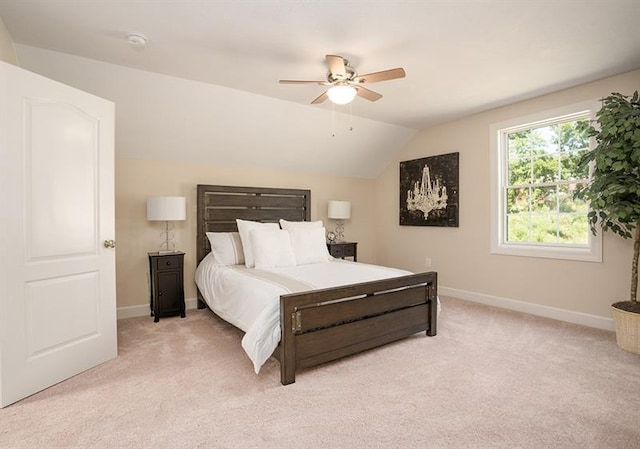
x=350, y=116
x=333, y=120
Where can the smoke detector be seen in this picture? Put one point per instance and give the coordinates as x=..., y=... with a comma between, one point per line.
x=137, y=39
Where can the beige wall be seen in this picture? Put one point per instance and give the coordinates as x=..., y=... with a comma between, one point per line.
x=7, y=52
x=462, y=256
x=137, y=179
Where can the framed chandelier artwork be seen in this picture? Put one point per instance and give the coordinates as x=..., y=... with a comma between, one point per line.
x=429, y=191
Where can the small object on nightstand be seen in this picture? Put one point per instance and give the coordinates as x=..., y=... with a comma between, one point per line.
x=166, y=285
x=343, y=249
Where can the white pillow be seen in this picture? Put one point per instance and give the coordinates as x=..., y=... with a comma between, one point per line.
x=226, y=248
x=271, y=248
x=309, y=245
x=244, y=227
x=288, y=225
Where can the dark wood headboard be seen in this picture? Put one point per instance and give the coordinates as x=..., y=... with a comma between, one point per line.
x=219, y=206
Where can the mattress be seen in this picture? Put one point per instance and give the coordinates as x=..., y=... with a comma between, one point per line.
x=249, y=298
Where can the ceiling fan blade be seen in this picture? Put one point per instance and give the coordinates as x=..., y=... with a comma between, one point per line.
x=385, y=75
x=320, y=99
x=336, y=66
x=322, y=83
x=368, y=94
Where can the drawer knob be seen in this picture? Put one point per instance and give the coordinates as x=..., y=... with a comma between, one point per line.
x=168, y=263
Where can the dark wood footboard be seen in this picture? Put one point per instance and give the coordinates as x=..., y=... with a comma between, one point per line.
x=324, y=325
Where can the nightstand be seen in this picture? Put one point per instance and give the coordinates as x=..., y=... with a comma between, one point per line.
x=166, y=285
x=341, y=250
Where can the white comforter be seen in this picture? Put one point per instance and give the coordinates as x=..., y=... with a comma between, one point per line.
x=250, y=299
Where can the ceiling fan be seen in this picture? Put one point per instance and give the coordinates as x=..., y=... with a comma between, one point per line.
x=346, y=83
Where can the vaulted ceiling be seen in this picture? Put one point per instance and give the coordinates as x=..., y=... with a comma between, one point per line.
x=461, y=57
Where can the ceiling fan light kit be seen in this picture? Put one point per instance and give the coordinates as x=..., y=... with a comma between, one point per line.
x=345, y=83
x=341, y=94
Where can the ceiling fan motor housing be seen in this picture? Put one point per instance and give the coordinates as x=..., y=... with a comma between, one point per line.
x=350, y=72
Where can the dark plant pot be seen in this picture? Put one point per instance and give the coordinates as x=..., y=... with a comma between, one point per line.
x=626, y=315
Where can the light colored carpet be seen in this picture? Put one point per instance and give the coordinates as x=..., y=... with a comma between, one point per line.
x=490, y=379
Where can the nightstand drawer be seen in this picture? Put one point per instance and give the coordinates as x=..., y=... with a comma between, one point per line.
x=168, y=263
x=348, y=250
x=337, y=251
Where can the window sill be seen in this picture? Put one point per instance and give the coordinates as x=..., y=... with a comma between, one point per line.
x=593, y=254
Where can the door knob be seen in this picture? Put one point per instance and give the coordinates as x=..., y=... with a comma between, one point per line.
x=109, y=243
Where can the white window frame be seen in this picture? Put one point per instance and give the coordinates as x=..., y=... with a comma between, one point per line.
x=592, y=251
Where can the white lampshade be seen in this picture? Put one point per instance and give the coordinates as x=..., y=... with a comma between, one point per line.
x=341, y=94
x=339, y=210
x=166, y=208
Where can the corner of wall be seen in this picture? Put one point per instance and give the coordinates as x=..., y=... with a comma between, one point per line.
x=7, y=49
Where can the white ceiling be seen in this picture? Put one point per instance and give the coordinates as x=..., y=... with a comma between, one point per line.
x=460, y=57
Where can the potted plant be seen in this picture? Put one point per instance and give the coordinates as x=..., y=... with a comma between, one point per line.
x=614, y=195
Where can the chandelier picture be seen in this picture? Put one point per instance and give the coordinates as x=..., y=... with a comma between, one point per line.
x=427, y=195
x=429, y=191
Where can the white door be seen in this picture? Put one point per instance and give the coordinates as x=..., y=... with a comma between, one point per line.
x=57, y=277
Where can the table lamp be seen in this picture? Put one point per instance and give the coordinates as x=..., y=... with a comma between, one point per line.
x=167, y=208
x=339, y=211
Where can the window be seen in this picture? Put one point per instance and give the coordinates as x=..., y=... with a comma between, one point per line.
x=535, y=174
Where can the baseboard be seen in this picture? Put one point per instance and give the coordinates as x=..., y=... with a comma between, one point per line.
x=143, y=309
x=569, y=316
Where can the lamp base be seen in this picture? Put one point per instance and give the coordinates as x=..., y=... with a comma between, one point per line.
x=168, y=251
x=339, y=231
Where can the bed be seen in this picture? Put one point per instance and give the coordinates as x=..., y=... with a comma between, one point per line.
x=319, y=325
